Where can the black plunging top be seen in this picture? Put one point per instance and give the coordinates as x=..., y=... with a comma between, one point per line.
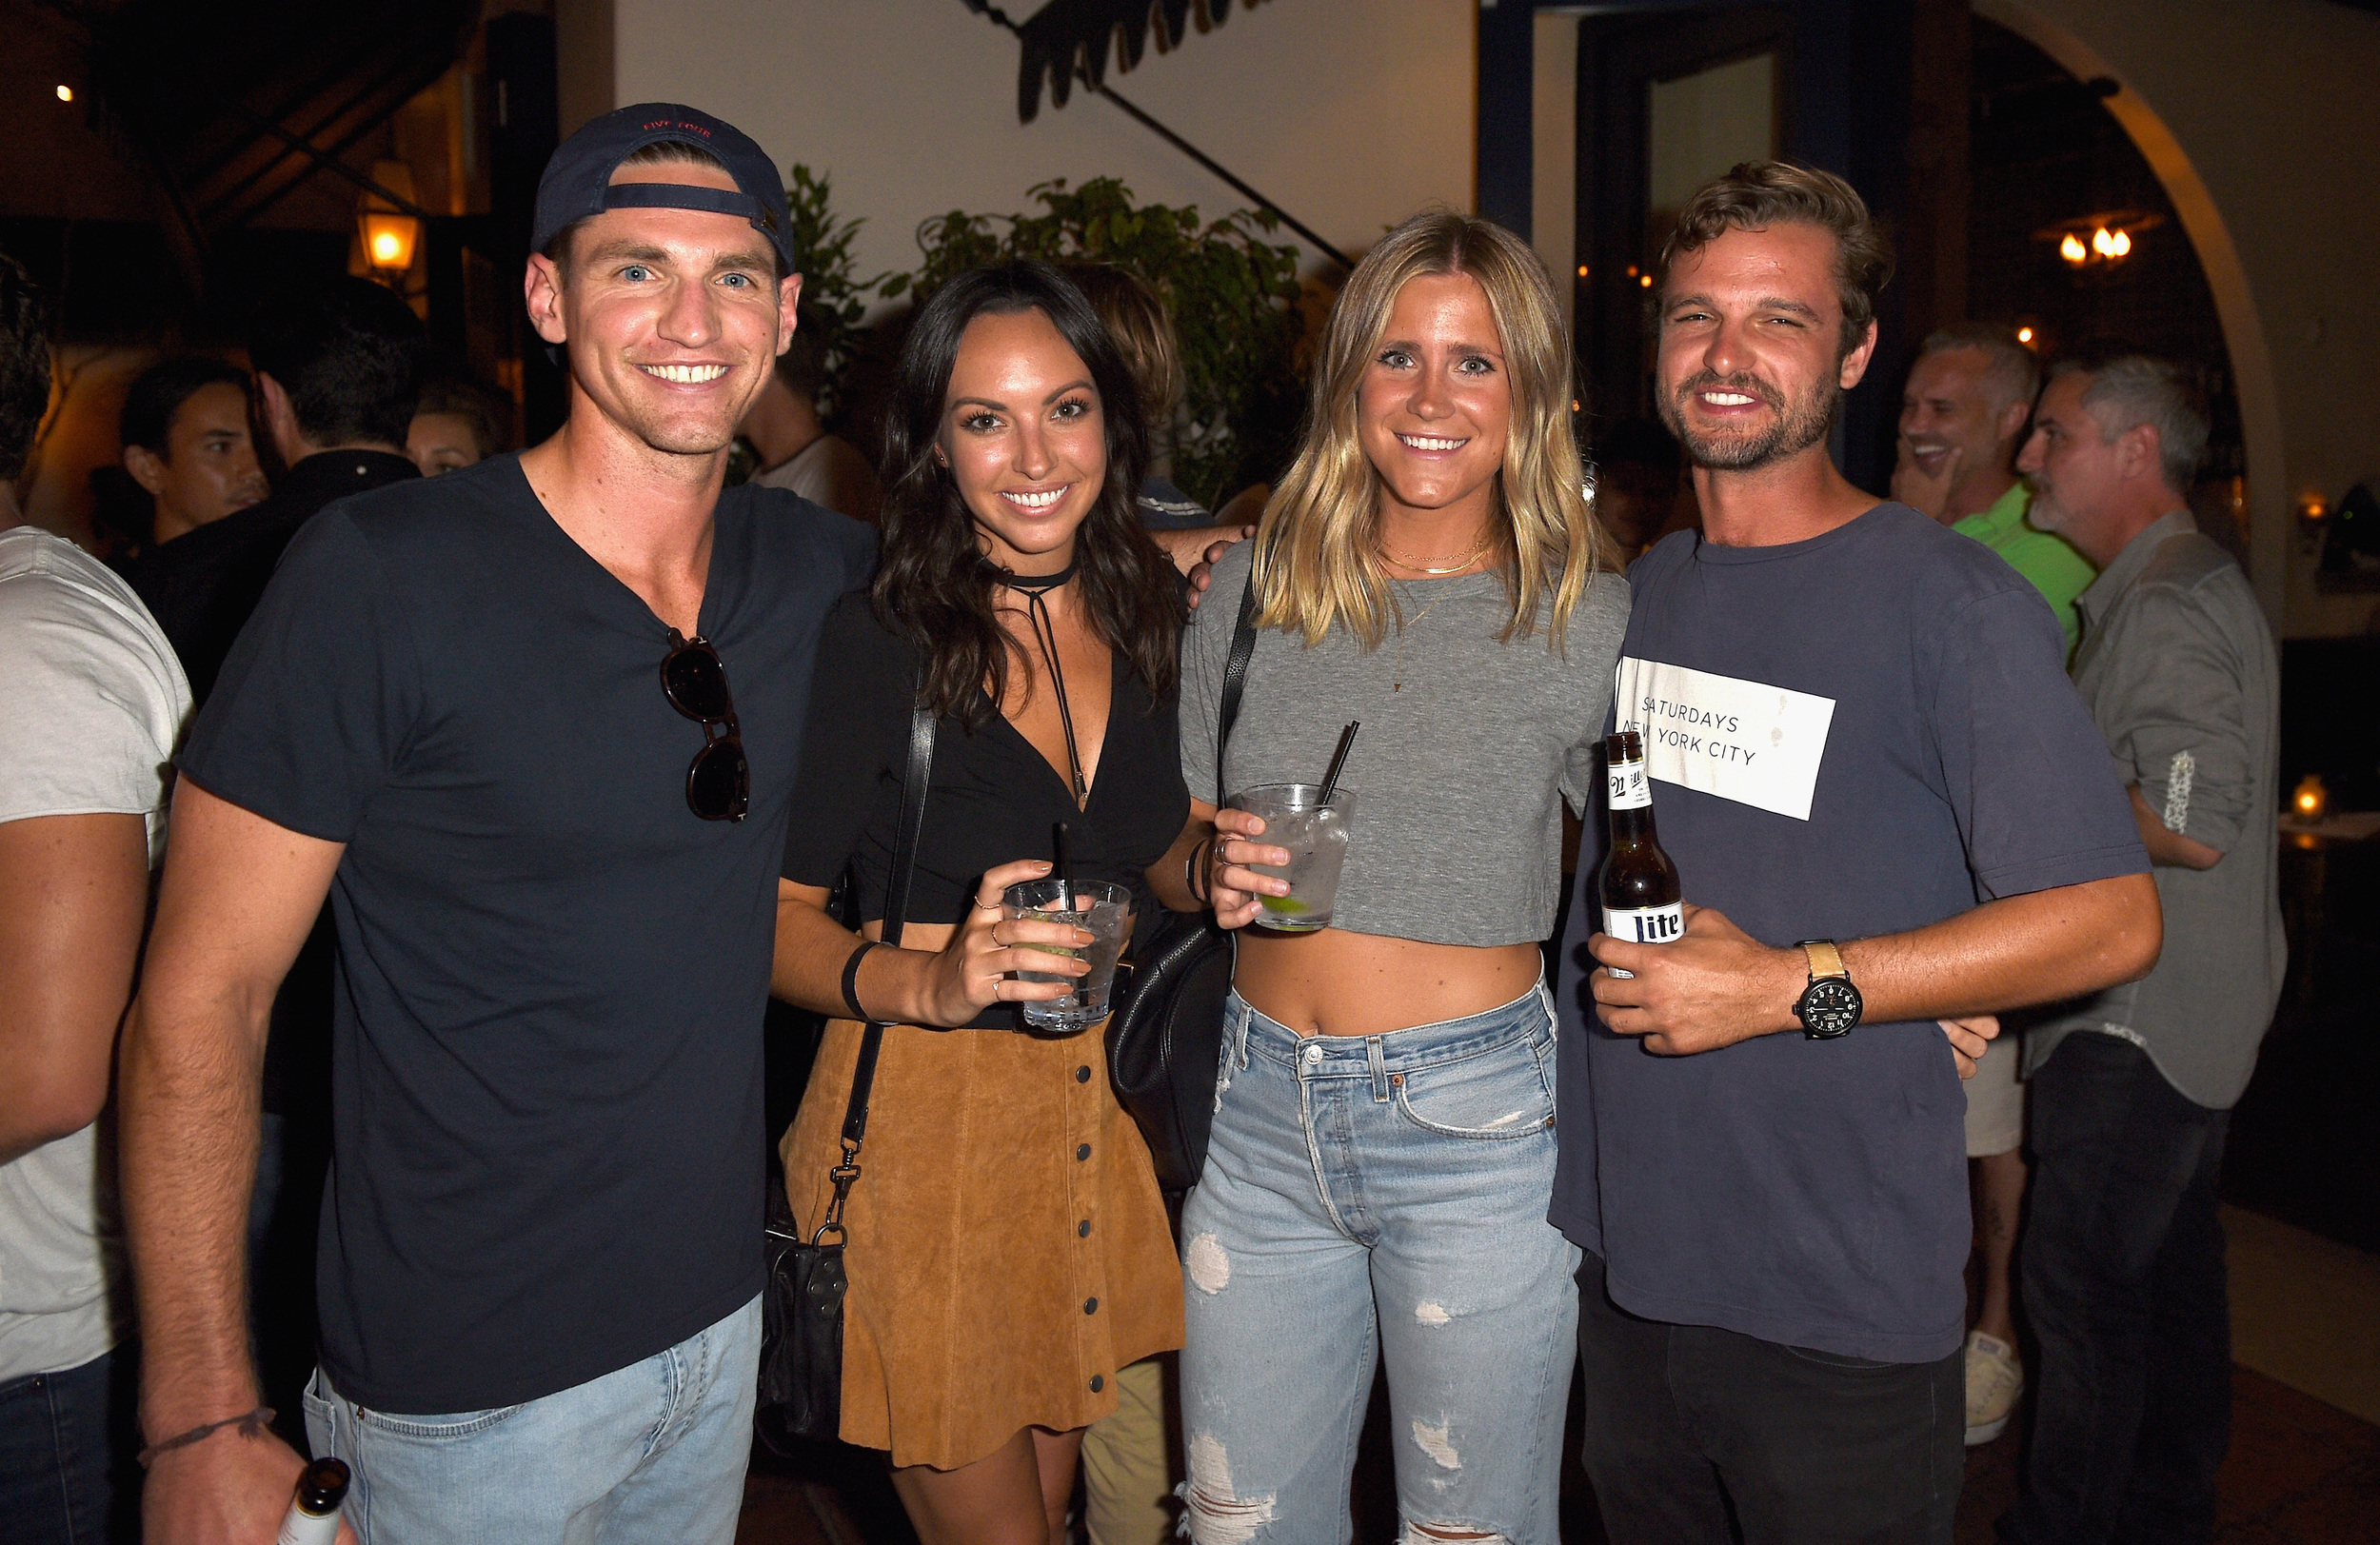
x=992, y=797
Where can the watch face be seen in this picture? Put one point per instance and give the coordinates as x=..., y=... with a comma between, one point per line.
x=1830, y=1007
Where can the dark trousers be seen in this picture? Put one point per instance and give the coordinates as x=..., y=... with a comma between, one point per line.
x=1695, y=1435
x=67, y=1475
x=2123, y=1282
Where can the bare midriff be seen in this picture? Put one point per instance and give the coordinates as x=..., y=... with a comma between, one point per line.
x=1337, y=983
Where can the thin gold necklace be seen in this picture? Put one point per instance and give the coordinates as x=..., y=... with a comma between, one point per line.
x=1402, y=561
x=1398, y=683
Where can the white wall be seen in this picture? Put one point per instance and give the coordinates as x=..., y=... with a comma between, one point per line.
x=1349, y=113
x=2262, y=122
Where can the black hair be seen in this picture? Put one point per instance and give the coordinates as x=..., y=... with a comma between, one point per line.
x=487, y=411
x=24, y=366
x=803, y=366
x=933, y=586
x=350, y=355
x=158, y=393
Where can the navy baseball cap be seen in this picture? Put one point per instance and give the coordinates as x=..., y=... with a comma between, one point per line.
x=578, y=180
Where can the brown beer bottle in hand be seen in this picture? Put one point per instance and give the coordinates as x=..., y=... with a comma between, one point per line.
x=1637, y=885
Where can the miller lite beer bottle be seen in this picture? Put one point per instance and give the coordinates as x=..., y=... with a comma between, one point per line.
x=1638, y=885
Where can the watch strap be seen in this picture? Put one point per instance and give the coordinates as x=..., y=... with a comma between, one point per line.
x=1825, y=959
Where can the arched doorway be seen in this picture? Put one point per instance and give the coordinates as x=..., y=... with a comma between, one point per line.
x=2219, y=330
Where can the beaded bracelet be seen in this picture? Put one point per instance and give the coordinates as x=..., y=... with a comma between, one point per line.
x=1190, y=867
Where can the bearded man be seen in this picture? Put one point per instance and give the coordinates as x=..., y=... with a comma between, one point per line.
x=1888, y=808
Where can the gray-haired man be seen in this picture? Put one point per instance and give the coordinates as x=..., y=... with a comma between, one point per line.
x=2123, y=1258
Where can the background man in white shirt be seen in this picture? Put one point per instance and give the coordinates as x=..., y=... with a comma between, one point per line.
x=93, y=702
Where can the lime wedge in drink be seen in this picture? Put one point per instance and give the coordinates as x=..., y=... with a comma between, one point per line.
x=1070, y=952
x=1284, y=906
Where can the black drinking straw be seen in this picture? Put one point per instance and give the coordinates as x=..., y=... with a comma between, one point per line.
x=1064, y=868
x=1339, y=760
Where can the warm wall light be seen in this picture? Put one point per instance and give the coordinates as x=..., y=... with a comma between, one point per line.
x=389, y=239
x=2072, y=249
x=1582, y=270
x=66, y=93
x=2024, y=335
x=2311, y=801
x=1645, y=280
x=2110, y=245
x=389, y=235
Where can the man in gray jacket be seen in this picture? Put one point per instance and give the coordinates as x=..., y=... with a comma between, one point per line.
x=2133, y=1088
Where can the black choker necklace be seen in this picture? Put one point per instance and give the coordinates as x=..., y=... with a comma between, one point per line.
x=1034, y=587
x=1036, y=584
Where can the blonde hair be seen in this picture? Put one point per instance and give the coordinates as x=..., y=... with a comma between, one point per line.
x=1317, y=562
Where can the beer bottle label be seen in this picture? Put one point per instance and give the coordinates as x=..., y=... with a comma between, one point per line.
x=1644, y=925
x=1628, y=788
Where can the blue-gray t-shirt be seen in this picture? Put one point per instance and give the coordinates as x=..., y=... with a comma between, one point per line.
x=1860, y=734
x=548, y=1157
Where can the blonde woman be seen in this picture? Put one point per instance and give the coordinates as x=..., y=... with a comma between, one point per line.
x=1383, y=1145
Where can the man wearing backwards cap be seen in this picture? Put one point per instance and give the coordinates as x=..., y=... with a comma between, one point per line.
x=532, y=726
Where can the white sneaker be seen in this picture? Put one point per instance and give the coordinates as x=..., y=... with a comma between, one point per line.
x=1995, y=1379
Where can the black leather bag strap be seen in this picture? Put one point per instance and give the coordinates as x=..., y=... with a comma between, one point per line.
x=1235, y=676
x=922, y=720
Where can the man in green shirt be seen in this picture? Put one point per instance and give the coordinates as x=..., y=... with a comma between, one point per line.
x=1963, y=415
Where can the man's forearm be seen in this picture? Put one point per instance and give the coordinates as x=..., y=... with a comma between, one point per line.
x=67, y=952
x=1718, y=986
x=2012, y=953
x=191, y=1089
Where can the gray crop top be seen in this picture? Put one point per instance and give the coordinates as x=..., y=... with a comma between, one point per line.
x=1457, y=774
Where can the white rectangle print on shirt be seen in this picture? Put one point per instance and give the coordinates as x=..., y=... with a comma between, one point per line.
x=1744, y=741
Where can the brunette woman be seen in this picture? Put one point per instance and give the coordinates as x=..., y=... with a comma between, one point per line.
x=1384, y=1145
x=1008, y=1250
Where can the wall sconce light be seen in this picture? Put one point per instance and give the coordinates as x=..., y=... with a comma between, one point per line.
x=389, y=239
x=2311, y=801
x=66, y=93
x=2100, y=239
x=390, y=236
x=2024, y=336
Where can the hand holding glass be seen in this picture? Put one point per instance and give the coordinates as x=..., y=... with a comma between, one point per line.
x=1314, y=833
x=1103, y=911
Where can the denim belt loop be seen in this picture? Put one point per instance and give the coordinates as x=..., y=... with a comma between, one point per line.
x=1235, y=1017
x=1378, y=1061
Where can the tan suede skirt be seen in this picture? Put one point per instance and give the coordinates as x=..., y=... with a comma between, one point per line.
x=1008, y=1248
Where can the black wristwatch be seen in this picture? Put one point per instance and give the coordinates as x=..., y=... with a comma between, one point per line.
x=1830, y=1005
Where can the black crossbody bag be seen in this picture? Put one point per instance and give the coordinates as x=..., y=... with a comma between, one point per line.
x=800, y=1380
x=1166, y=1035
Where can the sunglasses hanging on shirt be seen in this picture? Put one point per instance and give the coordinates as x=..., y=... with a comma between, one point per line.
x=694, y=679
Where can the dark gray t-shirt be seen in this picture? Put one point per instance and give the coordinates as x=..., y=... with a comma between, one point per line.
x=1856, y=735
x=1468, y=747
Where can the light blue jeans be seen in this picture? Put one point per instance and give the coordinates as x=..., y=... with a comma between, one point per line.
x=654, y=1451
x=1370, y=1195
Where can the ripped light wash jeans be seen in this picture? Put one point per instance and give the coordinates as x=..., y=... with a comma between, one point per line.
x=1366, y=1195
